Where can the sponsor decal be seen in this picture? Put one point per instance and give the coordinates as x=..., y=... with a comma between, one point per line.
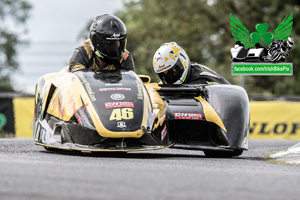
x=61, y=108
x=119, y=104
x=117, y=97
x=274, y=120
x=162, y=68
x=72, y=102
x=140, y=92
x=85, y=106
x=191, y=116
x=164, y=132
x=114, y=89
x=121, y=124
x=265, y=128
x=113, y=84
x=119, y=114
x=87, y=86
x=115, y=35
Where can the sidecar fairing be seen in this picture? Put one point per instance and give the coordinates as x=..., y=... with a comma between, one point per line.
x=120, y=111
x=212, y=118
x=89, y=111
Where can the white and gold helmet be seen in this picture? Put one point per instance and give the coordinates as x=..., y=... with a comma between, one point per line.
x=171, y=63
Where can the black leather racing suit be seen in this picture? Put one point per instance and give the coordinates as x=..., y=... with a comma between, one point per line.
x=84, y=58
x=200, y=74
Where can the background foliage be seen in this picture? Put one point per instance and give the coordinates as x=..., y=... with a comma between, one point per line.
x=13, y=12
x=202, y=28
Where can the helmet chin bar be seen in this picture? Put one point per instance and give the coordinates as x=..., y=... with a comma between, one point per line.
x=105, y=58
x=182, y=78
x=179, y=81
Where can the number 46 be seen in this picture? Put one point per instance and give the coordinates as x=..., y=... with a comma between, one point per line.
x=119, y=114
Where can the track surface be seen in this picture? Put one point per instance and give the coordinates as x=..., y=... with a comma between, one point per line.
x=29, y=172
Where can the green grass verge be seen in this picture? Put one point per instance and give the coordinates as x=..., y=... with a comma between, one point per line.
x=7, y=135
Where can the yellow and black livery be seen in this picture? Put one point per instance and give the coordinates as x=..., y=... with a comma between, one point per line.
x=121, y=111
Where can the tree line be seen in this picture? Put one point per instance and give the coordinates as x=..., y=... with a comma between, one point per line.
x=201, y=27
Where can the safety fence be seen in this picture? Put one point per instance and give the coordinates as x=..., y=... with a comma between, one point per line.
x=269, y=119
x=16, y=115
x=274, y=120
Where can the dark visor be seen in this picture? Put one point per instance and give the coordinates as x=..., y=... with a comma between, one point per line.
x=112, y=48
x=173, y=74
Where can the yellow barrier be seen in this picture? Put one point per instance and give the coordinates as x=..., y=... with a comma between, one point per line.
x=274, y=120
x=23, y=111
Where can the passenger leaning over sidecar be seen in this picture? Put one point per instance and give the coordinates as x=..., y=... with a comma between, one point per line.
x=173, y=66
x=106, y=48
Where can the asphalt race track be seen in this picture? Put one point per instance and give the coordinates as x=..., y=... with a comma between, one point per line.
x=29, y=172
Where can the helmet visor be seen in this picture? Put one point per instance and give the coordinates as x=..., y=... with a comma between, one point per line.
x=173, y=74
x=111, y=48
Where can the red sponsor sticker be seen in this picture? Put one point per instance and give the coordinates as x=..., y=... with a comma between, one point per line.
x=163, y=133
x=114, y=89
x=192, y=116
x=119, y=104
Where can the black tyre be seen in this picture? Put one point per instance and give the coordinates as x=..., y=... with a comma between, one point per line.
x=51, y=149
x=223, y=154
x=109, y=154
x=61, y=151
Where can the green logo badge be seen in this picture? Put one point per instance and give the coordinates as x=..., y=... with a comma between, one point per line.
x=261, y=36
x=261, y=45
x=3, y=121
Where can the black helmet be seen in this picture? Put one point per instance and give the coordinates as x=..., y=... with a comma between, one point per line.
x=108, y=37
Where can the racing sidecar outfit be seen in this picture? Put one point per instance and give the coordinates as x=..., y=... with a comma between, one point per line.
x=84, y=58
x=201, y=74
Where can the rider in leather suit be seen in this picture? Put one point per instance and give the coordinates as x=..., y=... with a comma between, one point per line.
x=173, y=66
x=106, y=48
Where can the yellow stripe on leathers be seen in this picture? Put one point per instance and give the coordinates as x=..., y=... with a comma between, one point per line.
x=68, y=106
x=210, y=113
